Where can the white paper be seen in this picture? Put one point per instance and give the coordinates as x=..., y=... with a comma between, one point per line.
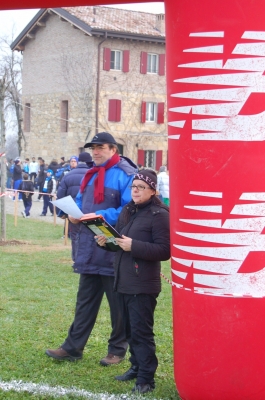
x=68, y=206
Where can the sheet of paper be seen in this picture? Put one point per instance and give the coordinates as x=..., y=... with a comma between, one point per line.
x=68, y=206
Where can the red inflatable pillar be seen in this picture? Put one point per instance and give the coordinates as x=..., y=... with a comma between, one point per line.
x=216, y=101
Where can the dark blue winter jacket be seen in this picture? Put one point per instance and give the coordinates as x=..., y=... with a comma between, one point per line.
x=70, y=183
x=89, y=258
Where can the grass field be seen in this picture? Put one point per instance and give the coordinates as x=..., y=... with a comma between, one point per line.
x=37, y=300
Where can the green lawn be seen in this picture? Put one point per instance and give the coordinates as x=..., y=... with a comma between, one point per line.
x=37, y=300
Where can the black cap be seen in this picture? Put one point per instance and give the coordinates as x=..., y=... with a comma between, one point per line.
x=101, y=138
x=148, y=176
x=84, y=157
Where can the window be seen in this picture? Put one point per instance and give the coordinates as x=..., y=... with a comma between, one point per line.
x=64, y=116
x=27, y=117
x=120, y=147
x=114, y=110
x=152, y=63
x=149, y=159
x=151, y=112
x=115, y=59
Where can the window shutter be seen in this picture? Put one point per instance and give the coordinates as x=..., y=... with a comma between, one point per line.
x=125, y=61
x=159, y=155
x=27, y=117
x=161, y=66
x=143, y=112
x=114, y=110
x=143, y=64
x=140, y=159
x=160, y=113
x=106, y=59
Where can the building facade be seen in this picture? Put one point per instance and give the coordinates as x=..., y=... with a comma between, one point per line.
x=93, y=69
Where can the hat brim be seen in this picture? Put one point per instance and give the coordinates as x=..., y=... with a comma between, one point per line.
x=101, y=143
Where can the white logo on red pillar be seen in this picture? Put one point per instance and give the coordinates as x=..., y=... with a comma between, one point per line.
x=226, y=102
x=224, y=256
x=219, y=264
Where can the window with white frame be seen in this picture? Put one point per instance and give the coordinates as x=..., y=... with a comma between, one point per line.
x=116, y=59
x=151, y=112
x=152, y=63
x=149, y=159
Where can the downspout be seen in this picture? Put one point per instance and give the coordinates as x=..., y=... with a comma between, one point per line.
x=98, y=76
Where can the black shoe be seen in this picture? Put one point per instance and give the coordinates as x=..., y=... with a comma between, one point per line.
x=143, y=388
x=128, y=375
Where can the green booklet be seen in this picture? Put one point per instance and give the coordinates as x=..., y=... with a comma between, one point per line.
x=99, y=226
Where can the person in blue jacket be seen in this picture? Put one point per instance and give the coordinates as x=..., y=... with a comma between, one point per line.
x=104, y=190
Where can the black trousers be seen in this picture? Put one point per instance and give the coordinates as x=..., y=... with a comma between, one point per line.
x=89, y=297
x=139, y=319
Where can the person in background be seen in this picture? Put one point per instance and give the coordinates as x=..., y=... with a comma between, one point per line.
x=33, y=170
x=17, y=177
x=54, y=166
x=104, y=190
x=26, y=166
x=28, y=188
x=62, y=161
x=163, y=184
x=50, y=188
x=41, y=178
x=144, y=226
x=9, y=173
x=69, y=186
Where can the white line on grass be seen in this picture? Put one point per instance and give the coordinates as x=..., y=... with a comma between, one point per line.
x=58, y=391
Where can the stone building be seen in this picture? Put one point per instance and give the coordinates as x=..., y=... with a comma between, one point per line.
x=91, y=69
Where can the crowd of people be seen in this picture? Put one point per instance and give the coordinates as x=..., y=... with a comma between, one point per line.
x=134, y=200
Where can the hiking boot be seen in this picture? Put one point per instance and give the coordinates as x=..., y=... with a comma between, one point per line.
x=62, y=355
x=142, y=388
x=111, y=359
x=128, y=375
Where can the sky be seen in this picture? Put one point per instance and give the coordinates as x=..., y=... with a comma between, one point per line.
x=20, y=18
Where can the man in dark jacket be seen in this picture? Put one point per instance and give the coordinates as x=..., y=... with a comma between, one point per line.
x=104, y=190
x=41, y=177
x=69, y=186
x=17, y=177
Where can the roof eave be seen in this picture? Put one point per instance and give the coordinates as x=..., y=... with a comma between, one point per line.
x=128, y=36
x=18, y=42
x=15, y=44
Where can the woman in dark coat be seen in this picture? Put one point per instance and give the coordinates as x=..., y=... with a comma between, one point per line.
x=144, y=226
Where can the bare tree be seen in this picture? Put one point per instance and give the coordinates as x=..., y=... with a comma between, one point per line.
x=11, y=70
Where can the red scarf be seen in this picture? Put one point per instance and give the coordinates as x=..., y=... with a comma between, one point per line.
x=99, y=181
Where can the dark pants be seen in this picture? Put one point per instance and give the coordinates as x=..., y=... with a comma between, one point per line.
x=47, y=204
x=89, y=297
x=40, y=189
x=32, y=176
x=27, y=204
x=139, y=319
x=15, y=186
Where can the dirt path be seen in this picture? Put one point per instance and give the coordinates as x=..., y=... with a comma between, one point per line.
x=35, y=211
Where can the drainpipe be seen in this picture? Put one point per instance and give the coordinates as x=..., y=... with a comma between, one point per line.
x=98, y=78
